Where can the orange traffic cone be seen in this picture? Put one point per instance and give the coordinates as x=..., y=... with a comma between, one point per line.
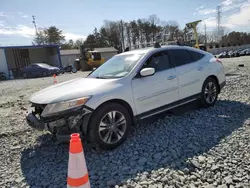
x=55, y=80
x=77, y=169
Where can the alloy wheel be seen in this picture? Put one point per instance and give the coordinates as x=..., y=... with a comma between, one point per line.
x=112, y=127
x=210, y=92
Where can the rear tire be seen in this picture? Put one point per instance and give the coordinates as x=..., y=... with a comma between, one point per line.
x=209, y=93
x=24, y=75
x=109, y=126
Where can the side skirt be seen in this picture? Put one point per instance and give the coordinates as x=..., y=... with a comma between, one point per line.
x=168, y=107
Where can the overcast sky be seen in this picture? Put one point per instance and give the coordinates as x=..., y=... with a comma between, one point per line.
x=78, y=18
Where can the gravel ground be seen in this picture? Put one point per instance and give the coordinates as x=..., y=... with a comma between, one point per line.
x=190, y=148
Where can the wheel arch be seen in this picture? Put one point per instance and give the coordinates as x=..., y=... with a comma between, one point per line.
x=216, y=79
x=121, y=102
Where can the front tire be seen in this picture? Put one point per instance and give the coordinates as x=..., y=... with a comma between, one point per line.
x=209, y=93
x=109, y=126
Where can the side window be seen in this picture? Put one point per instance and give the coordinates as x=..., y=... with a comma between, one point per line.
x=196, y=55
x=180, y=57
x=158, y=61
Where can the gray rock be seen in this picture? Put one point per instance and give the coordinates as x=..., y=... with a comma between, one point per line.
x=20, y=179
x=195, y=163
x=228, y=180
x=133, y=171
x=210, y=186
x=148, y=182
x=94, y=177
x=157, y=156
x=201, y=159
x=192, y=185
x=186, y=171
x=142, y=160
x=164, y=179
x=193, y=177
x=222, y=186
x=138, y=186
x=210, y=180
x=215, y=167
x=111, y=183
x=16, y=147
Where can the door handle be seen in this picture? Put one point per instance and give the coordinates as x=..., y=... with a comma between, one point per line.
x=171, y=77
x=200, y=68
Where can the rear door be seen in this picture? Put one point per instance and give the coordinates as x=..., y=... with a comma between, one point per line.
x=189, y=69
x=152, y=93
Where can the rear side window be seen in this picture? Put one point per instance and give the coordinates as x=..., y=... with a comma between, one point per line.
x=196, y=55
x=180, y=57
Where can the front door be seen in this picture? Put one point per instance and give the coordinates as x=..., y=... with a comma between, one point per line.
x=156, y=91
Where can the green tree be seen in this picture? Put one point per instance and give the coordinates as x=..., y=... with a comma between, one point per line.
x=71, y=43
x=51, y=35
x=90, y=40
x=78, y=43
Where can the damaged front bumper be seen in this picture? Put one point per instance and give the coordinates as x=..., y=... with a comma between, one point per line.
x=61, y=124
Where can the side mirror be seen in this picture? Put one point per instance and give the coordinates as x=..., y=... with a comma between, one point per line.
x=147, y=72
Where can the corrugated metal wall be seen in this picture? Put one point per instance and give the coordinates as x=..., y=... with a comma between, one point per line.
x=3, y=63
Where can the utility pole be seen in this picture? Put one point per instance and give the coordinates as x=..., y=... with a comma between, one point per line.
x=218, y=23
x=34, y=22
x=205, y=27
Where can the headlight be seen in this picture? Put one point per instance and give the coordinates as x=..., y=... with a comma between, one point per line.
x=62, y=106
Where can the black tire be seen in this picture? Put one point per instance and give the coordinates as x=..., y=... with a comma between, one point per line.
x=25, y=75
x=2, y=77
x=74, y=70
x=93, y=134
x=204, y=101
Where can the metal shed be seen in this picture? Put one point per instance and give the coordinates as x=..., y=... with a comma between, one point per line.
x=69, y=56
x=14, y=58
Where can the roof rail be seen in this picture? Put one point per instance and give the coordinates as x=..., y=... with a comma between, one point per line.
x=150, y=44
x=157, y=45
x=126, y=49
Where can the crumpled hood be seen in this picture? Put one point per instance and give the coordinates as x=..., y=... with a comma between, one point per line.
x=76, y=88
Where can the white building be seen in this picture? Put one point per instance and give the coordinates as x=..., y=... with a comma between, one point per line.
x=14, y=58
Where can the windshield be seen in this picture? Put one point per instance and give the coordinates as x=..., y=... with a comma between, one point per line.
x=116, y=67
x=44, y=65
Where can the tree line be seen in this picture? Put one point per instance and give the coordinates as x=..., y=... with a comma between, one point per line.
x=138, y=33
x=53, y=35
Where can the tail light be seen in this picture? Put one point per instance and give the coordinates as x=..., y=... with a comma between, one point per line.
x=218, y=60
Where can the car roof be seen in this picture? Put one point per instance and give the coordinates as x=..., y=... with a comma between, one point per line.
x=152, y=49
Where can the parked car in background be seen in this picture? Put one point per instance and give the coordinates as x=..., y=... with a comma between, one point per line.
x=231, y=53
x=236, y=53
x=223, y=55
x=245, y=52
x=130, y=86
x=39, y=69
